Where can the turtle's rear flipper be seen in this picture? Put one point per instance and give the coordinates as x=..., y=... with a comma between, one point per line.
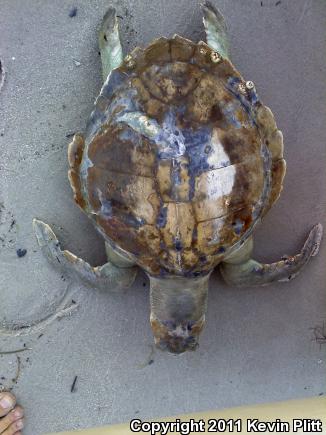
x=107, y=277
x=241, y=270
x=216, y=30
x=109, y=43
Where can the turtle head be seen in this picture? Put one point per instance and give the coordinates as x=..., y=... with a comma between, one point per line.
x=176, y=337
x=178, y=308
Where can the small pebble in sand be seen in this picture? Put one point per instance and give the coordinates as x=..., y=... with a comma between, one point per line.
x=21, y=252
x=73, y=12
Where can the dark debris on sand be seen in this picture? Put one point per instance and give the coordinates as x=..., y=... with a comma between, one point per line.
x=73, y=12
x=21, y=252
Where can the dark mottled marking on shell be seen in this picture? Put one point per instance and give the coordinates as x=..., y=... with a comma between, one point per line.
x=180, y=198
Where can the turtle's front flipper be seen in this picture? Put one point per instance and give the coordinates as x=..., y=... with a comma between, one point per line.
x=240, y=270
x=216, y=31
x=109, y=43
x=107, y=277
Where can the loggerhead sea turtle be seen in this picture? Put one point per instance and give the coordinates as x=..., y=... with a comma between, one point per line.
x=179, y=163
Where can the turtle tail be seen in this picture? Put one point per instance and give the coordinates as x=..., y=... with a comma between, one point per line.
x=178, y=307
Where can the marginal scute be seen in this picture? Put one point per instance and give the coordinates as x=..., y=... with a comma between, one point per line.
x=274, y=141
x=203, y=60
x=137, y=60
x=75, y=151
x=275, y=144
x=266, y=120
x=278, y=173
x=158, y=51
x=75, y=155
x=182, y=49
x=75, y=184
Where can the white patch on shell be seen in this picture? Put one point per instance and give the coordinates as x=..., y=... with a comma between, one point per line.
x=218, y=182
x=218, y=157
